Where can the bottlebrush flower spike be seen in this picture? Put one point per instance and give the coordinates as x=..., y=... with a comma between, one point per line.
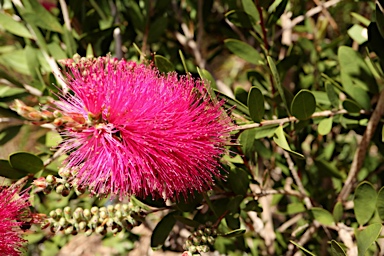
x=13, y=211
x=136, y=131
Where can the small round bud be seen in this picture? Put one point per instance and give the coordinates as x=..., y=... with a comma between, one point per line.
x=192, y=249
x=208, y=231
x=94, y=210
x=59, y=212
x=82, y=225
x=87, y=214
x=53, y=214
x=68, y=230
x=64, y=173
x=101, y=230
x=203, y=248
x=204, y=239
x=211, y=240
x=88, y=232
x=62, y=221
x=50, y=179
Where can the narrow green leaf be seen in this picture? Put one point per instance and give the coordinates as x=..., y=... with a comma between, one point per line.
x=244, y=51
x=367, y=237
x=336, y=249
x=325, y=126
x=332, y=95
x=8, y=91
x=277, y=82
x=7, y=171
x=256, y=104
x=13, y=26
x=163, y=64
x=303, y=105
x=162, y=230
x=250, y=8
x=41, y=18
x=265, y=131
x=364, y=202
x=322, y=216
x=233, y=233
x=183, y=61
x=302, y=248
x=380, y=17
x=361, y=18
x=282, y=142
x=26, y=162
x=240, y=108
x=338, y=211
x=380, y=203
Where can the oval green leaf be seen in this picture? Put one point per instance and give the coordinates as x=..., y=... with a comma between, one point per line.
x=163, y=64
x=367, y=237
x=303, y=105
x=244, y=51
x=26, y=162
x=332, y=95
x=336, y=249
x=380, y=203
x=325, y=126
x=162, y=230
x=364, y=202
x=338, y=211
x=256, y=104
x=322, y=216
x=7, y=171
x=351, y=106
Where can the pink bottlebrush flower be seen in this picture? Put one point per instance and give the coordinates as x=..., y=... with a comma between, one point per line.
x=13, y=213
x=132, y=130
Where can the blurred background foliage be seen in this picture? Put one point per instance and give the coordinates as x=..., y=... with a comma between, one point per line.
x=301, y=79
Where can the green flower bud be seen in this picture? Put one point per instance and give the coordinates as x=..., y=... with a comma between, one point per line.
x=82, y=225
x=87, y=214
x=88, y=232
x=68, y=230
x=203, y=248
x=53, y=214
x=94, y=210
x=211, y=240
x=192, y=249
x=59, y=212
x=62, y=222
x=50, y=179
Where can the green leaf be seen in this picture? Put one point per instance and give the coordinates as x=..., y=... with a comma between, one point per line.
x=322, y=216
x=302, y=248
x=244, y=51
x=256, y=104
x=8, y=91
x=186, y=221
x=325, y=126
x=336, y=249
x=361, y=18
x=250, y=8
x=233, y=233
x=43, y=19
x=238, y=180
x=282, y=142
x=351, y=106
x=13, y=26
x=205, y=75
x=380, y=203
x=358, y=33
x=303, y=105
x=356, y=78
x=364, y=202
x=9, y=133
x=26, y=162
x=241, y=95
x=163, y=64
x=265, y=131
x=7, y=171
x=332, y=95
x=276, y=80
x=240, y=108
x=328, y=168
x=380, y=17
x=367, y=237
x=162, y=230
x=338, y=211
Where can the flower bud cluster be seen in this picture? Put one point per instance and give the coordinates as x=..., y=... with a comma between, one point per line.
x=113, y=218
x=59, y=184
x=74, y=120
x=201, y=239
